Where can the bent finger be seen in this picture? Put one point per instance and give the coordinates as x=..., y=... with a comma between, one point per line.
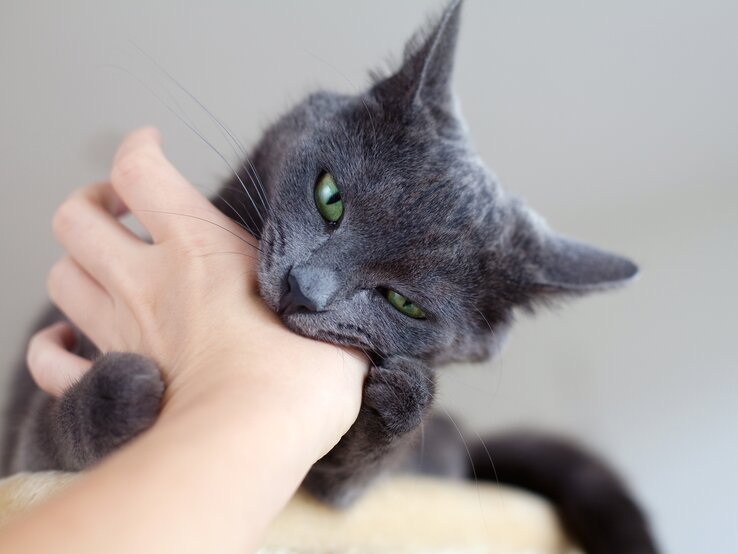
x=157, y=194
x=86, y=225
x=53, y=367
x=82, y=300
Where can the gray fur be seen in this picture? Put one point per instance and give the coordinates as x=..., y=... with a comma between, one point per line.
x=117, y=399
x=422, y=216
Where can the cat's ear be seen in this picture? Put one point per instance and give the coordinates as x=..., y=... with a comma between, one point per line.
x=425, y=75
x=544, y=262
x=568, y=266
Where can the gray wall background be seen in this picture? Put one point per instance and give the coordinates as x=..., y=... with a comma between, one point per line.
x=618, y=121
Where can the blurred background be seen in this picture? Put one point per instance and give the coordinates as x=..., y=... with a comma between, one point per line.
x=617, y=121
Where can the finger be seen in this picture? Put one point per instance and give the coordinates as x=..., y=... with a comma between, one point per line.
x=82, y=300
x=157, y=194
x=53, y=367
x=86, y=226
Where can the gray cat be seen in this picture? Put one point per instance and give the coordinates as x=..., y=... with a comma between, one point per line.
x=381, y=229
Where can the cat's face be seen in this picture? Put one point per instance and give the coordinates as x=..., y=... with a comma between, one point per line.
x=415, y=216
x=384, y=230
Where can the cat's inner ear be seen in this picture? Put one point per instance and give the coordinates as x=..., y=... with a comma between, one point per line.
x=425, y=75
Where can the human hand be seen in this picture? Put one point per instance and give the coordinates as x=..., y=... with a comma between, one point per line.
x=189, y=300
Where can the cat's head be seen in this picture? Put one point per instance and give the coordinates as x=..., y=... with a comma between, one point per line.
x=385, y=231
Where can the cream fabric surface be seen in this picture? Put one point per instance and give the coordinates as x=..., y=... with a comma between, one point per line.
x=399, y=515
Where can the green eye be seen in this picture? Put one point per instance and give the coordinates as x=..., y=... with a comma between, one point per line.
x=404, y=305
x=328, y=199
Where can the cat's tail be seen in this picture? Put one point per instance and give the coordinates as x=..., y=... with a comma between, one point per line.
x=595, y=507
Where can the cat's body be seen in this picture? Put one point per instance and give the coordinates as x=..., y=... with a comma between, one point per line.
x=414, y=255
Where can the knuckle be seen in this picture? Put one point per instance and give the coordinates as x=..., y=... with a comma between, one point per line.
x=65, y=216
x=146, y=312
x=53, y=280
x=136, y=294
x=148, y=299
x=32, y=353
x=192, y=248
x=130, y=168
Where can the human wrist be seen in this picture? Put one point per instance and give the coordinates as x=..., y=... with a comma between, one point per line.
x=313, y=389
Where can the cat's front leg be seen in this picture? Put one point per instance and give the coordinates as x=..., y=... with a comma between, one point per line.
x=397, y=394
x=115, y=400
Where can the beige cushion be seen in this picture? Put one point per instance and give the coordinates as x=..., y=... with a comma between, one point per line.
x=397, y=516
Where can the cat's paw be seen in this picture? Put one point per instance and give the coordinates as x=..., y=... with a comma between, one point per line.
x=399, y=392
x=124, y=397
x=397, y=395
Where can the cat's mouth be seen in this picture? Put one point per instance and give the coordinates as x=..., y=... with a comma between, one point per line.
x=303, y=303
x=312, y=325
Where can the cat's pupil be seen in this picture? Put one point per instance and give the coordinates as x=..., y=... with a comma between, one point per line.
x=403, y=304
x=328, y=199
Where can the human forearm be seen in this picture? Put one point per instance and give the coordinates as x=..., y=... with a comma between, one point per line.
x=210, y=474
x=249, y=405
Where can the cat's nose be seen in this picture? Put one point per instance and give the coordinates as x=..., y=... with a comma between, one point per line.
x=309, y=289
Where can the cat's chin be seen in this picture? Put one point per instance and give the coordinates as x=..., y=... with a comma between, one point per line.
x=308, y=325
x=304, y=324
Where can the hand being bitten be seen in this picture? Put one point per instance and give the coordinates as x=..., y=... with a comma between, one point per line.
x=185, y=300
x=150, y=292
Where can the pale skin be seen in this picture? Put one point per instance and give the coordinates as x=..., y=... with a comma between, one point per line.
x=249, y=407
